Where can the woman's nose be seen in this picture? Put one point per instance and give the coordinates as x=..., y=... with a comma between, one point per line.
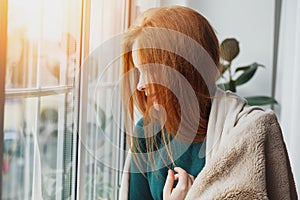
x=141, y=86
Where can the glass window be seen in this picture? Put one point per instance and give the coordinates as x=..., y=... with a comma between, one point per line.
x=41, y=99
x=44, y=156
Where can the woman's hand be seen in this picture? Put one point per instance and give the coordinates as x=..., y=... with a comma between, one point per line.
x=185, y=181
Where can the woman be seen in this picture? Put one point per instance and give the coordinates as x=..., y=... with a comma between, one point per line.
x=191, y=141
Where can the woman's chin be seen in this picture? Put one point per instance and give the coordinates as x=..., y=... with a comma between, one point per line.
x=158, y=112
x=156, y=106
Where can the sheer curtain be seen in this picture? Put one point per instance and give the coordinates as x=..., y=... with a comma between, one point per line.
x=288, y=81
x=101, y=138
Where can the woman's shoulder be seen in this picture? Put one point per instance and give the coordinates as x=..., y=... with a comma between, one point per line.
x=257, y=114
x=259, y=122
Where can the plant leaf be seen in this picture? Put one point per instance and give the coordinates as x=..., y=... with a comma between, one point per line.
x=229, y=49
x=260, y=100
x=249, y=72
x=246, y=67
x=242, y=68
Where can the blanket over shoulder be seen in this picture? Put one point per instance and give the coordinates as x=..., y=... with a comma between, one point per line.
x=246, y=157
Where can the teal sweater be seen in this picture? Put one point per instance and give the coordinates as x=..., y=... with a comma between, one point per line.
x=149, y=185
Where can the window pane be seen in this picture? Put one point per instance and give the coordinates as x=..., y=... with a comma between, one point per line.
x=41, y=99
x=38, y=145
x=43, y=42
x=17, y=169
x=55, y=145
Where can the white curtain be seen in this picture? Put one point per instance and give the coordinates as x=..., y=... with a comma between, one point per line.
x=100, y=135
x=288, y=81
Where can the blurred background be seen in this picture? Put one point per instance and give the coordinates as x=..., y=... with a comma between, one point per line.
x=62, y=124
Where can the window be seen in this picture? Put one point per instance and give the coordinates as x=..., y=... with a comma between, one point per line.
x=41, y=97
x=60, y=141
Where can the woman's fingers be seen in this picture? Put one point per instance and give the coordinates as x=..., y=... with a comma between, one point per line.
x=185, y=181
x=168, y=185
x=179, y=170
x=183, y=176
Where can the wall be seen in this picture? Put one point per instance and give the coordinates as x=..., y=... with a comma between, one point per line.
x=252, y=24
x=288, y=83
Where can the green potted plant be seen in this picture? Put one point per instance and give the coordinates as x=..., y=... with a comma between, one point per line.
x=229, y=51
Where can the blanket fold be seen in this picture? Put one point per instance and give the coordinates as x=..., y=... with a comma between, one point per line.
x=246, y=157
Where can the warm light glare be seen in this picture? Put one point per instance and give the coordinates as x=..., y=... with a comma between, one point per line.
x=53, y=19
x=37, y=18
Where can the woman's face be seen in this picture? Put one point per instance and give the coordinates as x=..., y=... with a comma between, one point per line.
x=144, y=84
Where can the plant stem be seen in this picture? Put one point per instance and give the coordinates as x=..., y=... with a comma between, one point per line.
x=231, y=81
x=229, y=71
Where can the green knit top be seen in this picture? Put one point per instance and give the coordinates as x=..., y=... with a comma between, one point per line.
x=149, y=183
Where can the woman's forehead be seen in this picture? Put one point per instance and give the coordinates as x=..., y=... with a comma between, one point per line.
x=135, y=55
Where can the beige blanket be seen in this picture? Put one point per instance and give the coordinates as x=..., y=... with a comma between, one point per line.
x=246, y=157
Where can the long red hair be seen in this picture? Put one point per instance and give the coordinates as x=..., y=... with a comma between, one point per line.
x=155, y=31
